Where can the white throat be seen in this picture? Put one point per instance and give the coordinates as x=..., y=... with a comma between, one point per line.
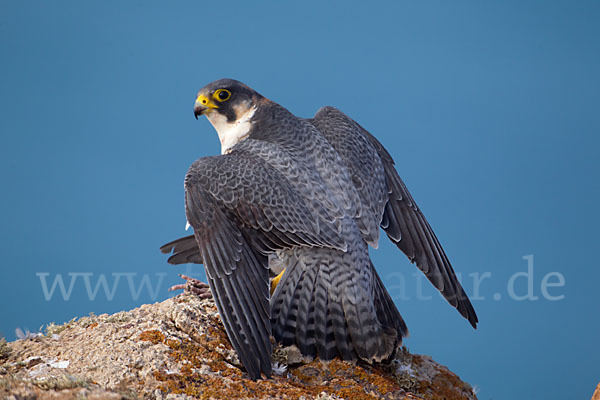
x=231, y=133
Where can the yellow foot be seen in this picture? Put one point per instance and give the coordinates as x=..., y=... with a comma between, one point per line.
x=275, y=281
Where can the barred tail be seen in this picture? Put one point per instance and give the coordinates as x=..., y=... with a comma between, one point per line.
x=330, y=304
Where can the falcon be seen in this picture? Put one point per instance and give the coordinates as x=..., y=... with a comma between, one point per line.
x=304, y=198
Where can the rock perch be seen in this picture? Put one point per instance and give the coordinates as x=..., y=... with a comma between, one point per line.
x=178, y=349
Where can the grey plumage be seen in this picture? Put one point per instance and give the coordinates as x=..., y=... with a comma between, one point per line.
x=330, y=302
x=308, y=194
x=401, y=218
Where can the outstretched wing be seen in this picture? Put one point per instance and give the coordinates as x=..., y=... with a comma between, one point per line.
x=402, y=220
x=363, y=163
x=241, y=209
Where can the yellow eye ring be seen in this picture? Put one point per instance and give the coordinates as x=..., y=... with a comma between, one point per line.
x=221, y=95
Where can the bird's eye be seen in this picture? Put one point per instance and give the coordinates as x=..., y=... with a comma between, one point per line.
x=222, y=95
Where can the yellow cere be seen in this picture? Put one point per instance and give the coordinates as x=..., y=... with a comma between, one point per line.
x=205, y=101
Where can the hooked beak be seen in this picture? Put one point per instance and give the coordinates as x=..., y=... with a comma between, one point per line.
x=203, y=105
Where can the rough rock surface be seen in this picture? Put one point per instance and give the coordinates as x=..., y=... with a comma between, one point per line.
x=177, y=349
x=596, y=395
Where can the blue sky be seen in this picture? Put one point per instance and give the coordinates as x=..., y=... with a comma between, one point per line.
x=490, y=110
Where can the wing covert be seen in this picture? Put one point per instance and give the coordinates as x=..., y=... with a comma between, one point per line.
x=265, y=201
x=363, y=163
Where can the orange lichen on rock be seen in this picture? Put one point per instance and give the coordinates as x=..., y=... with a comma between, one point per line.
x=179, y=347
x=208, y=372
x=226, y=381
x=152, y=336
x=349, y=380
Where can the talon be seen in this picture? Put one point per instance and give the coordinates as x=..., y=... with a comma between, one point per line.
x=194, y=281
x=195, y=286
x=181, y=286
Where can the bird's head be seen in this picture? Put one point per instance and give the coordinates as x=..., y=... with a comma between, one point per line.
x=227, y=97
x=229, y=106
